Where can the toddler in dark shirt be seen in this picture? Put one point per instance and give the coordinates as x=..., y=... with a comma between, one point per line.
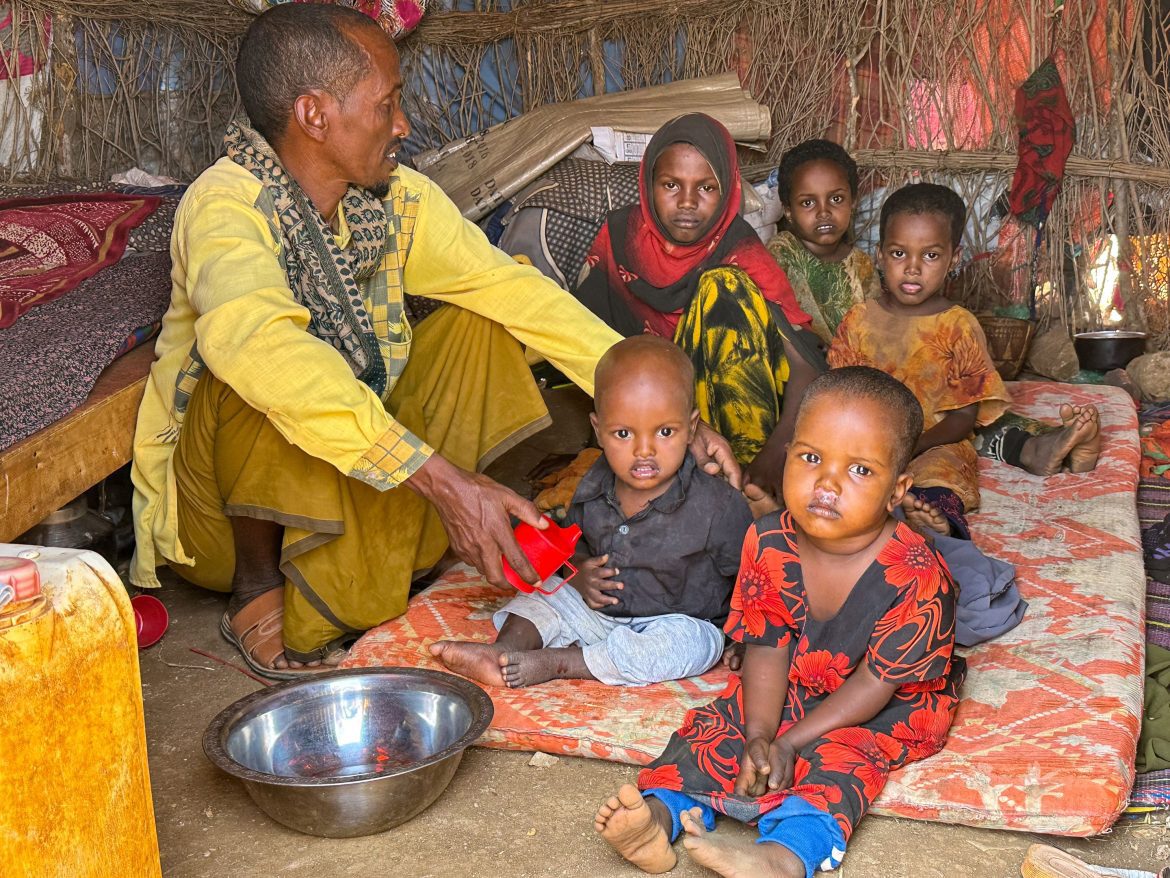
x=660, y=546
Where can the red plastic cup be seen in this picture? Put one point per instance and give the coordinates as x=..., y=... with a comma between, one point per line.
x=547, y=551
x=150, y=618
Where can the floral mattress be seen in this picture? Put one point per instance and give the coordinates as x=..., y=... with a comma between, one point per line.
x=1044, y=740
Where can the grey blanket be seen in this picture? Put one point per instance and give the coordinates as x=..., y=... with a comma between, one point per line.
x=989, y=600
x=51, y=357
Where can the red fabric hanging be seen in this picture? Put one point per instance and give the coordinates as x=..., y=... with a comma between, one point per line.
x=1047, y=134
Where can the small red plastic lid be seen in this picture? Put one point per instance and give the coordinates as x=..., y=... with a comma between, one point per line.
x=150, y=618
x=22, y=576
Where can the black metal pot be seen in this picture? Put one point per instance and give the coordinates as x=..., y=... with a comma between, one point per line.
x=1108, y=349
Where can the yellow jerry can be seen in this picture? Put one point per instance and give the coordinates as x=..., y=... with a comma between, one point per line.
x=74, y=784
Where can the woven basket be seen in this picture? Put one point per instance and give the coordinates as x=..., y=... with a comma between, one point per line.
x=1008, y=340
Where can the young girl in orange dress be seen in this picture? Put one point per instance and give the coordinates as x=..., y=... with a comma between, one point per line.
x=848, y=617
x=933, y=346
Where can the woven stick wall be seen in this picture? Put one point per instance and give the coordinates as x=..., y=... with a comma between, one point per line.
x=916, y=88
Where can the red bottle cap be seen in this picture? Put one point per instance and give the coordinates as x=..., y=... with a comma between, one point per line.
x=22, y=576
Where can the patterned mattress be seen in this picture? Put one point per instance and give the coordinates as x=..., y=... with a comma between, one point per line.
x=1044, y=740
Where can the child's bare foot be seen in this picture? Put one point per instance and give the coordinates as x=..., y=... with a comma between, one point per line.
x=632, y=829
x=527, y=667
x=1077, y=442
x=479, y=661
x=737, y=857
x=1085, y=423
x=924, y=517
x=733, y=656
x=1044, y=455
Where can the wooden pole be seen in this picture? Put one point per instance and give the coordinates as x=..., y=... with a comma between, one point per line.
x=597, y=60
x=975, y=161
x=1118, y=67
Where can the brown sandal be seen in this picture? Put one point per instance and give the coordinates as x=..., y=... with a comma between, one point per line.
x=257, y=632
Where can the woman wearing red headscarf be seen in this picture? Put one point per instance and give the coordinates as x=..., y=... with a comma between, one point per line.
x=683, y=264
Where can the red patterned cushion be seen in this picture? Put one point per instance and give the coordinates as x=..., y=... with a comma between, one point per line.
x=50, y=245
x=1045, y=737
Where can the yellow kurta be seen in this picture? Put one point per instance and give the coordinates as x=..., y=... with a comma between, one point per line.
x=232, y=312
x=943, y=359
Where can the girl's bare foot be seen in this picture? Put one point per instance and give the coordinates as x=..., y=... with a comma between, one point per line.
x=479, y=661
x=1044, y=455
x=924, y=517
x=737, y=857
x=635, y=831
x=1085, y=422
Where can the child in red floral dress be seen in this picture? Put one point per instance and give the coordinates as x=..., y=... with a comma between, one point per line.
x=848, y=618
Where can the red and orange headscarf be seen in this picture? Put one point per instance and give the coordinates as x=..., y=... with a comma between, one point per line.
x=641, y=280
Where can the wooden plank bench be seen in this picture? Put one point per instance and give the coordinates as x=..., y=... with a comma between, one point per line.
x=43, y=472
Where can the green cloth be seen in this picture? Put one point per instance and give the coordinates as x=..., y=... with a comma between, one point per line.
x=1154, y=744
x=825, y=290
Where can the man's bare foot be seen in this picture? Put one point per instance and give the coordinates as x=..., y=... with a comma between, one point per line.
x=737, y=857
x=924, y=517
x=1085, y=422
x=636, y=828
x=527, y=667
x=479, y=661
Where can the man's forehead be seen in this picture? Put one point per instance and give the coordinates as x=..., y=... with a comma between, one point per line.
x=381, y=57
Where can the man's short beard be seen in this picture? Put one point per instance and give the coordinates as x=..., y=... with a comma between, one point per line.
x=380, y=190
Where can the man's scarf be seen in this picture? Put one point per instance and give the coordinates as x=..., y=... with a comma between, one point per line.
x=323, y=278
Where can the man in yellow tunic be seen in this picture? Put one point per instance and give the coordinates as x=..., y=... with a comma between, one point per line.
x=292, y=403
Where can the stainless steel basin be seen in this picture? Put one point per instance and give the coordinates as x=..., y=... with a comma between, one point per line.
x=352, y=752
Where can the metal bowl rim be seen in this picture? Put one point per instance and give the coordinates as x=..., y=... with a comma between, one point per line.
x=1111, y=334
x=216, y=752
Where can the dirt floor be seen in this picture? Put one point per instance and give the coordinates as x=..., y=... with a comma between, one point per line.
x=499, y=817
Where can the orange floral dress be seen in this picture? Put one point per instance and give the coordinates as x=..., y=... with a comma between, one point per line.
x=943, y=359
x=899, y=621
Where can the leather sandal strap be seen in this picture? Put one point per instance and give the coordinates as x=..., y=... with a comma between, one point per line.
x=259, y=627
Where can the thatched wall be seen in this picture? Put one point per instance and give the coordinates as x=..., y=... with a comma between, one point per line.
x=912, y=87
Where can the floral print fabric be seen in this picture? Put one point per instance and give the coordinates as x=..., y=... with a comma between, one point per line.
x=825, y=290
x=899, y=620
x=943, y=359
x=736, y=344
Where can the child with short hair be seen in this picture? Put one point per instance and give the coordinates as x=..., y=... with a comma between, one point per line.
x=932, y=345
x=849, y=620
x=659, y=549
x=817, y=184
